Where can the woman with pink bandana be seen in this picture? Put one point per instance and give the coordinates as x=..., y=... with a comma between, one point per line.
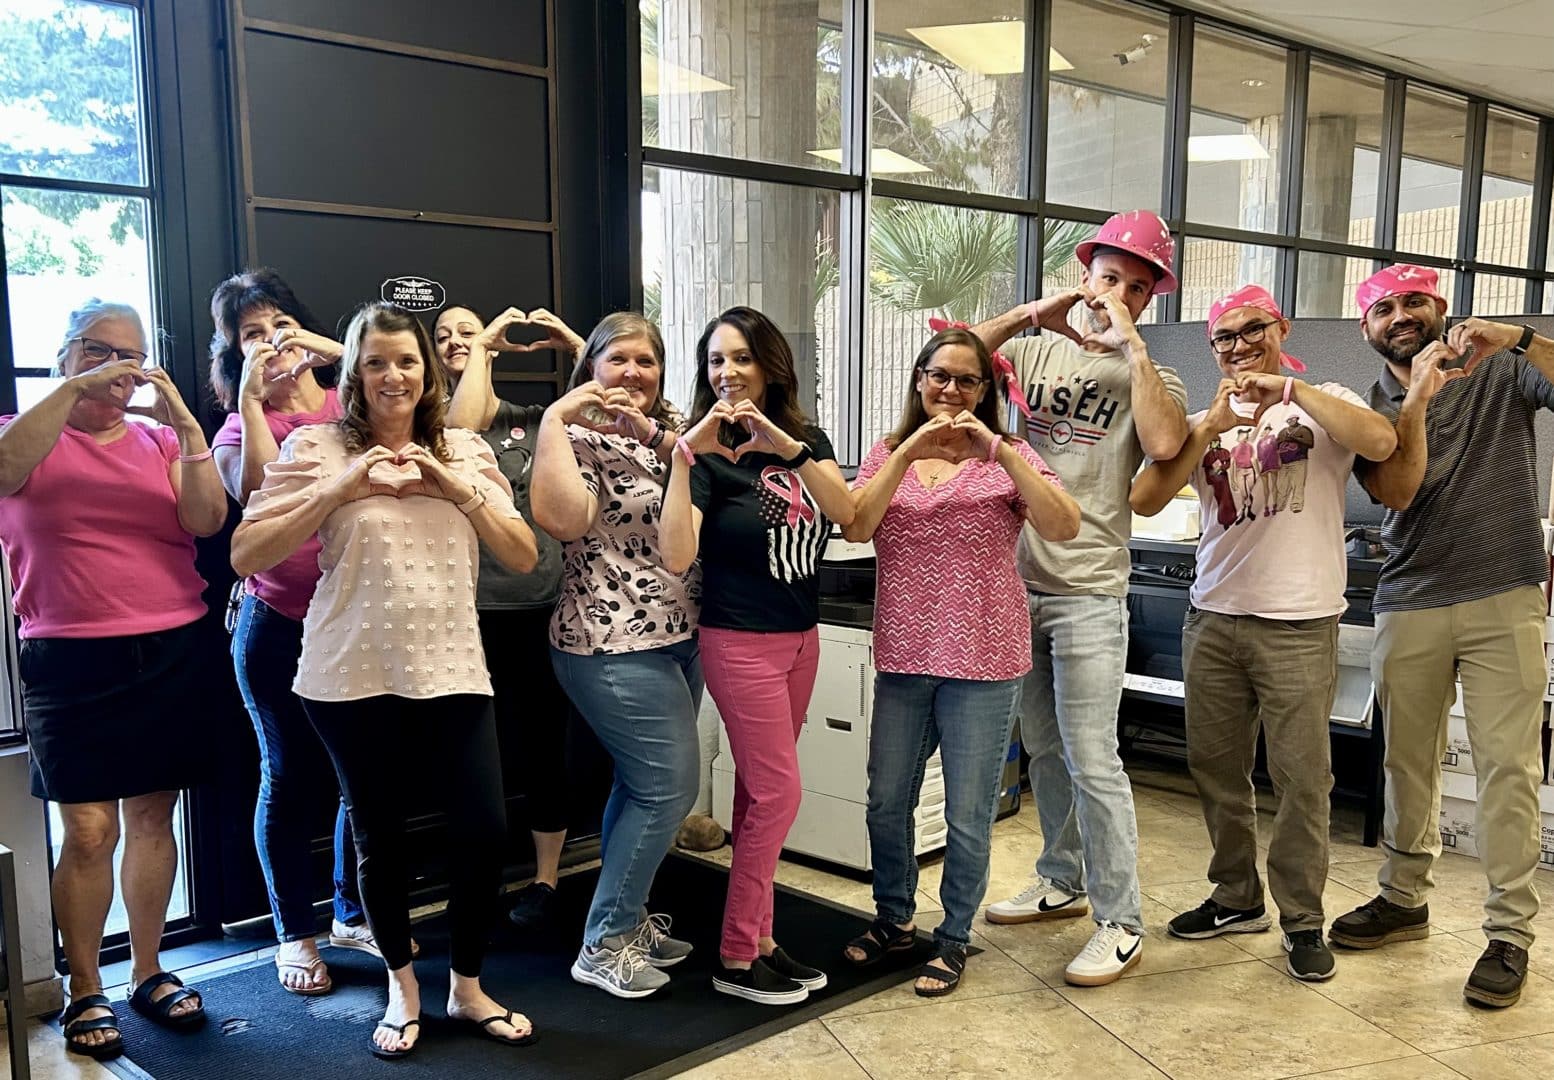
x=1259, y=647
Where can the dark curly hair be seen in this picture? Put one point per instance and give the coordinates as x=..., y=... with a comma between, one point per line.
x=430, y=412
x=231, y=300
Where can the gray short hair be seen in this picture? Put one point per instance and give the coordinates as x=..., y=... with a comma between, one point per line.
x=88, y=315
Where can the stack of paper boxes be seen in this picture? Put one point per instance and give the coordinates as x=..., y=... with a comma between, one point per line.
x=1459, y=789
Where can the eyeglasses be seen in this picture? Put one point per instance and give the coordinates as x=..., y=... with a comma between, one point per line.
x=100, y=351
x=967, y=384
x=1226, y=342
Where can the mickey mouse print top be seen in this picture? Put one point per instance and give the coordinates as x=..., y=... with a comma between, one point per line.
x=762, y=535
x=616, y=596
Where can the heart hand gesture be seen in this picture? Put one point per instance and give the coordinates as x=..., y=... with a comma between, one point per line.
x=1052, y=313
x=110, y=384
x=168, y=408
x=765, y=436
x=703, y=437
x=305, y=350
x=938, y=440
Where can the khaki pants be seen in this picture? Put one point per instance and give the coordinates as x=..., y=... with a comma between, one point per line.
x=1495, y=646
x=1244, y=673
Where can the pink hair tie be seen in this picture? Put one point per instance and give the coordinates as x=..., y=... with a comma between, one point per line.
x=1001, y=365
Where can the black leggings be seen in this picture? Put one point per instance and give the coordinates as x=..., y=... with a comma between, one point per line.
x=376, y=743
x=534, y=710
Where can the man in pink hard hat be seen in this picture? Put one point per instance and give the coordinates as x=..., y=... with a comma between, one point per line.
x=1098, y=406
x=1461, y=591
x=1260, y=643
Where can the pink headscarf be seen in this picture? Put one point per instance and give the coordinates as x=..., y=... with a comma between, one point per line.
x=1397, y=280
x=1001, y=365
x=1254, y=296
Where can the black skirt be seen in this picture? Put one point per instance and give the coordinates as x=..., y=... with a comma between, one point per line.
x=109, y=718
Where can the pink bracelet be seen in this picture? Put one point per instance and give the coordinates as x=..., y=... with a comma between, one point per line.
x=1289, y=384
x=1034, y=314
x=684, y=451
x=196, y=457
x=992, y=450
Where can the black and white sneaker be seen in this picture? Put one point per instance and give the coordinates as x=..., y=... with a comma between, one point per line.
x=806, y=976
x=1210, y=919
x=758, y=983
x=1308, y=956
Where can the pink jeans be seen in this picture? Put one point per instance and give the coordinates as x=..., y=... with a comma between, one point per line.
x=762, y=685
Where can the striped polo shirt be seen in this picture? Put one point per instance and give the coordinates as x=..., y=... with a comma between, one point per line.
x=1472, y=530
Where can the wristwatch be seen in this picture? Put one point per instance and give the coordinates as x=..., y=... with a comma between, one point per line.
x=1520, y=348
x=804, y=455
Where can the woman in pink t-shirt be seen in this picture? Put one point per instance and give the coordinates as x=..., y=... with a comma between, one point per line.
x=391, y=674
x=262, y=360
x=944, y=498
x=98, y=518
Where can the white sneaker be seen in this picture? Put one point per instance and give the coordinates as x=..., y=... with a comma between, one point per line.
x=1039, y=900
x=1111, y=951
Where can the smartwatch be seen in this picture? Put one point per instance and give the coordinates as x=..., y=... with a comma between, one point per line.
x=803, y=456
x=1520, y=348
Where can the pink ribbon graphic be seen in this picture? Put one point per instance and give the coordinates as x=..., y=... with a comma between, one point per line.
x=786, y=484
x=1001, y=365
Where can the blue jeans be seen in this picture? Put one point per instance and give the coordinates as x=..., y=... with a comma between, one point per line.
x=642, y=706
x=266, y=646
x=968, y=721
x=1068, y=723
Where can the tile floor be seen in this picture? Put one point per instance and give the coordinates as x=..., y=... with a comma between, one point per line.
x=1217, y=1010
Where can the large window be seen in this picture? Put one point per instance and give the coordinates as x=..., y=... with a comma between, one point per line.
x=1106, y=105
x=75, y=192
x=948, y=165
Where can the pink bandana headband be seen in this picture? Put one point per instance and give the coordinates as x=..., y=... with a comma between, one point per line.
x=1001, y=365
x=1399, y=280
x=1253, y=296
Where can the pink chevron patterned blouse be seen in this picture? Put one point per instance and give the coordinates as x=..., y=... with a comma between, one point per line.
x=948, y=599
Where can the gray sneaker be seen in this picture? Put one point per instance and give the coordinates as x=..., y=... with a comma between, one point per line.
x=619, y=967
x=662, y=950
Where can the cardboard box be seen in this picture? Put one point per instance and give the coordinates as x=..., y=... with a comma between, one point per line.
x=1458, y=756
x=1459, y=814
x=1546, y=833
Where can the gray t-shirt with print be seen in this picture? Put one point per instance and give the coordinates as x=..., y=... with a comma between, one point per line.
x=1082, y=425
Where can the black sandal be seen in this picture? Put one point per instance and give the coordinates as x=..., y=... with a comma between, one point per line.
x=160, y=1010
x=484, y=1027
x=75, y=1026
x=390, y=1055
x=879, y=941
x=954, y=957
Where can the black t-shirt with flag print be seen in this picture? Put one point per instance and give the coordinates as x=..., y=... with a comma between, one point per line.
x=762, y=536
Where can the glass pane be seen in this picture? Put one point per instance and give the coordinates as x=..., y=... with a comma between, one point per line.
x=1061, y=271
x=69, y=105
x=926, y=261
x=62, y=248
x=1505, y=203
x=1212, y=268
x=948, y=94
x=1548, y=297
x=710, y=242
x=1496, y=295
x=1326, y=283
x=178, y=905
x=1106, y=105
x=1430, y=195
x=1343, y=159
x=757, y=80
x=1233, y=141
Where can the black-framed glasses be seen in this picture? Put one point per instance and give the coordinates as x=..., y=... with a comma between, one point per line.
x=99, y=352
x=967, y=384
x=1226, y=342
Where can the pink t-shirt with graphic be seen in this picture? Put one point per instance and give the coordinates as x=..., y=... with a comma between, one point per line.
x=288, y=586
x=948, y=599
x=1281, y=555
x=93, y=539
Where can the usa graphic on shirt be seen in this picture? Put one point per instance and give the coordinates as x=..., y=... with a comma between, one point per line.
x=796, y=531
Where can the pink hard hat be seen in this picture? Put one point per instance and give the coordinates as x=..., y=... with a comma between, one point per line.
x=1140, y=233
x=1398, y=280
x=1253, y=296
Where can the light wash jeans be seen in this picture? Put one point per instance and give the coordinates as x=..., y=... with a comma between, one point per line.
x=642, y=706
x=968, y=721
x=1068, y=723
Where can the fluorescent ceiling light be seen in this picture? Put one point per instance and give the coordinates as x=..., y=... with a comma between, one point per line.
x=987, y=48
x=1242, y=147
x=882, y=161
x=665, y=78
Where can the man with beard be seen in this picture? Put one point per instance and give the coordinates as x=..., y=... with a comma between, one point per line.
x=1460, y=490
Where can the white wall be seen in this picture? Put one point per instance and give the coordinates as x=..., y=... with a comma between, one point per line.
x=22, y=830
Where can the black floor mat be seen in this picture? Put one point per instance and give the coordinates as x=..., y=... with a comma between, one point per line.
x=258, y=1030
